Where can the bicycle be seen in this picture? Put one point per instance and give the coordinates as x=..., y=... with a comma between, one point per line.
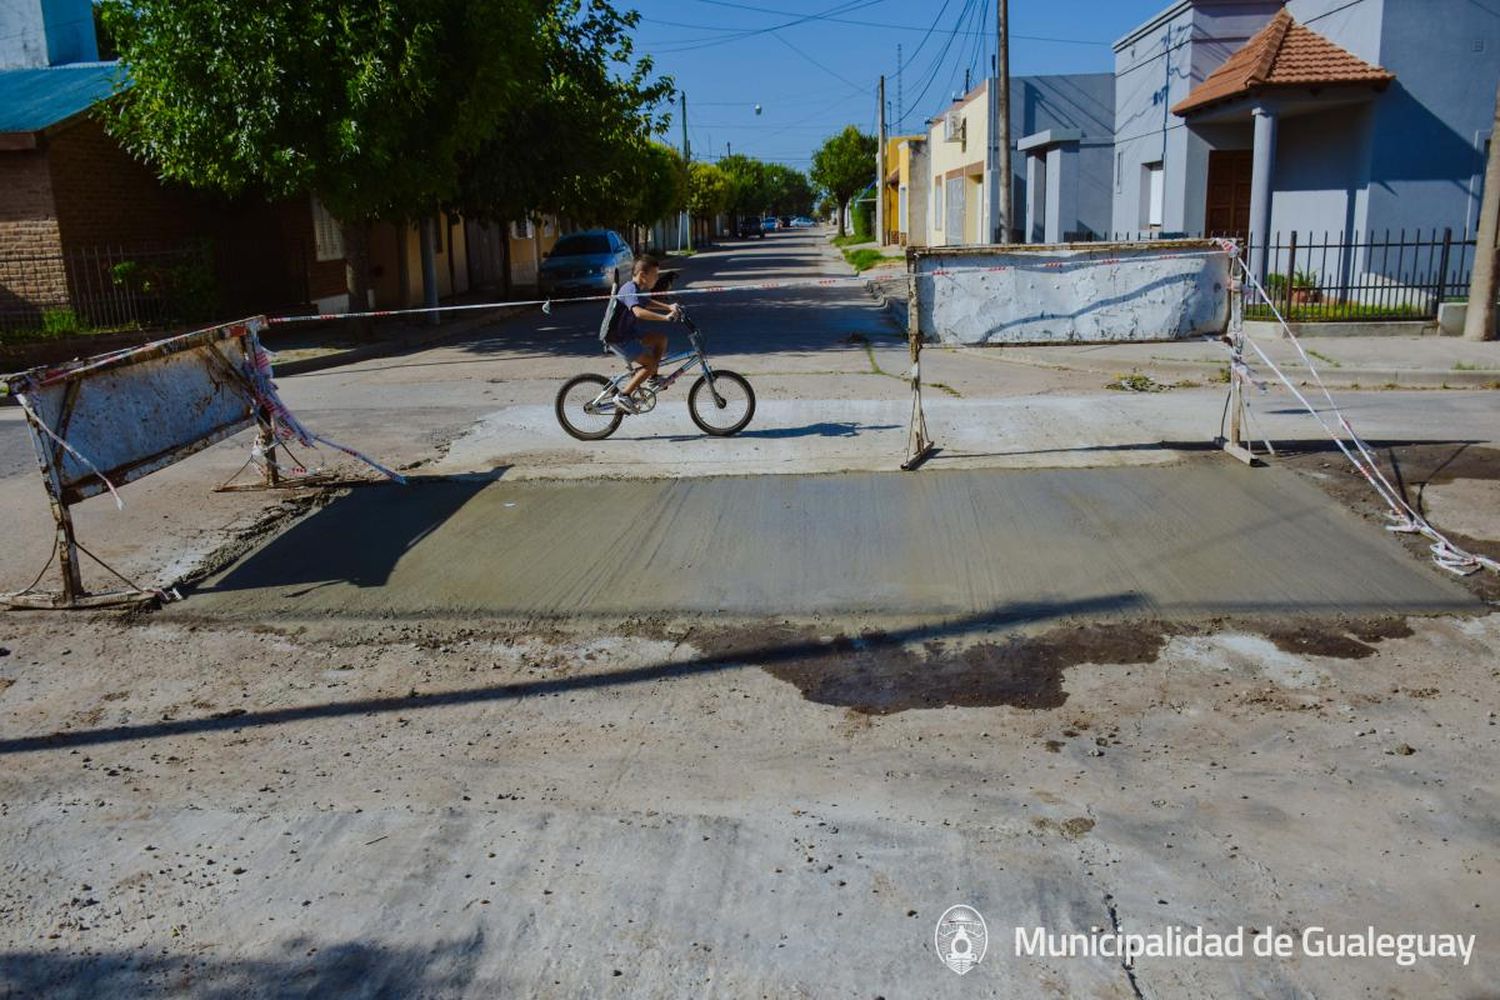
x=720, y=402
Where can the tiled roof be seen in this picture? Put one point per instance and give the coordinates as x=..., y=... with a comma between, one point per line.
x=1282, y=54
x=34, y=99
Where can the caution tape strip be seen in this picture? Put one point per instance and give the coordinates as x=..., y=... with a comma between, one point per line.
x=545, y=304
x=1407, y=520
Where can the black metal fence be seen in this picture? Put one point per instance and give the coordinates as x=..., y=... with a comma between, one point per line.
x=106, y=288
x=1333, y=277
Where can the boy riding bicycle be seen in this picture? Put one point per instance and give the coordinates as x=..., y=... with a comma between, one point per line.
x=632, y=303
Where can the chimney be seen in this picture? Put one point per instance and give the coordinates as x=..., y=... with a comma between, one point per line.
x=38, y=33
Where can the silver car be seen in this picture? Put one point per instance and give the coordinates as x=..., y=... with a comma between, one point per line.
x=585, y=263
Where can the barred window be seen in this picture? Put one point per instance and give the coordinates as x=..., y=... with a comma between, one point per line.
x=328, y=235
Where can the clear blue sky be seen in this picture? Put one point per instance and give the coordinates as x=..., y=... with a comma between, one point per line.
x=816, y=75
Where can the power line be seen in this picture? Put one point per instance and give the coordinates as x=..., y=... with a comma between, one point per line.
x=740, y=35
x=981, y=32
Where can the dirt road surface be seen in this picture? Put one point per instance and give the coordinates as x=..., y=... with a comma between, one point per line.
x=683, y=731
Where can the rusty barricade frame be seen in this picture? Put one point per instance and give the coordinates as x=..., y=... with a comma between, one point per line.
x=63, y=468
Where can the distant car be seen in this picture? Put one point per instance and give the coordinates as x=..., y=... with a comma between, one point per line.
x=769, y=224
x=749, y=226
x=585, y=263
x=803, y=222
x=785, y=221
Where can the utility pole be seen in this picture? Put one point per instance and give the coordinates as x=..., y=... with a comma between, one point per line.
x=687, y=158
x=1479, y=323
x=1002, y=227
x=880, y=170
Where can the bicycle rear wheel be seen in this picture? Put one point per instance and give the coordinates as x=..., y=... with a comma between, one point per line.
x=576, y=413
x=726, y=408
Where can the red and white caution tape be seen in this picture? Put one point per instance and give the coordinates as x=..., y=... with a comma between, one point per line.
x=545, y=304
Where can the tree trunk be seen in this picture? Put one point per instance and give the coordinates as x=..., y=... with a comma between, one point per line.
x=505, y=282
x=357, y=274
x=1479, y=324
x=843, y=209
x=429, y=268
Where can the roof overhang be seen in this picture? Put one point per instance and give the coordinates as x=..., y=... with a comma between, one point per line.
x=1287, y=102
x=1048, y=138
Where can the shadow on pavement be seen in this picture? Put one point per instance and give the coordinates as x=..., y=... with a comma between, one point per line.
x=769, y=655
x=399, y=528
x=829, y=428
x=299, y=967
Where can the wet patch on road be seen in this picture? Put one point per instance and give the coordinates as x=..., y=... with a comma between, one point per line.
x=875, y=673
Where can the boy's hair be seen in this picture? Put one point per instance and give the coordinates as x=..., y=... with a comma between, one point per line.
x=645, y=262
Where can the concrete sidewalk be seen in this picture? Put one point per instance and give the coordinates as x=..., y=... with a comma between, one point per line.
x=1347, y=362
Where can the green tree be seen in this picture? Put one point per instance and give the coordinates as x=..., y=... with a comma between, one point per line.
x=577, y=141
x=844, y=166
x=749, y=188
x=788, y=191
x=709, y=189
x=376, y=108
x=660, y=185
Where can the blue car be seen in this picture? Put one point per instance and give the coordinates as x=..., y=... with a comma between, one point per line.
x=586, y=263
x=769, y=224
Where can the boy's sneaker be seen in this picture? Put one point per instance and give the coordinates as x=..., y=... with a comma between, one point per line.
x=624, y=404
x=655, y=382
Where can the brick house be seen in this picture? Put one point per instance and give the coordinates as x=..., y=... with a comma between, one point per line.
x=75, y=208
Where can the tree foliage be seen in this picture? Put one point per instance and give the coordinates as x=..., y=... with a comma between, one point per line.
x=577, y=141
x=788, y=192
x=844, y=166
x=709, y=189
x=386, y=109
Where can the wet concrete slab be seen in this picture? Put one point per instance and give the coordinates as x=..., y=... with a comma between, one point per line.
x=1204, y=538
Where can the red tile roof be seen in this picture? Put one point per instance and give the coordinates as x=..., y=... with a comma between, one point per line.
x=1282, y=54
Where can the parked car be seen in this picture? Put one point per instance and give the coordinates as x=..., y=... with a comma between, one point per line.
x=586, y=263
x=769, y=224
x=749, y=226
x=784, y=221
x=803, y=222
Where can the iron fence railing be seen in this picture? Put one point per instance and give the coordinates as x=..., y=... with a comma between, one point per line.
x=1332, y=277
x=105, y=288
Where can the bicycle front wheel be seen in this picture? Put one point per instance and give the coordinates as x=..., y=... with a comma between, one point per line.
x=723, y=408
x=578, y=414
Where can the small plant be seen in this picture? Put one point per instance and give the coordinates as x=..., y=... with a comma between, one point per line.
x=1136, y=382
x=59, y=322
x=1221, y=377
x=863, y=260
x=1467, y=366
x=1323, y=358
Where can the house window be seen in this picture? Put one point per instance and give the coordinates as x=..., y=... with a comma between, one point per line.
x=1153, y=195
x=328, y=236
x=937, y=204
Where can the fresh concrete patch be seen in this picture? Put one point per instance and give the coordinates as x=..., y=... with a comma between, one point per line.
x=1209, y=538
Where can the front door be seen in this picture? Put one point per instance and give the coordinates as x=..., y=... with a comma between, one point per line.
x=953, y=208
x=1228, y=209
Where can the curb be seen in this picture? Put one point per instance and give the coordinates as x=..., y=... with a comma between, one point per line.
x=379, y=349
x=386, y=348
x=895, y=308
x=1342, y=378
